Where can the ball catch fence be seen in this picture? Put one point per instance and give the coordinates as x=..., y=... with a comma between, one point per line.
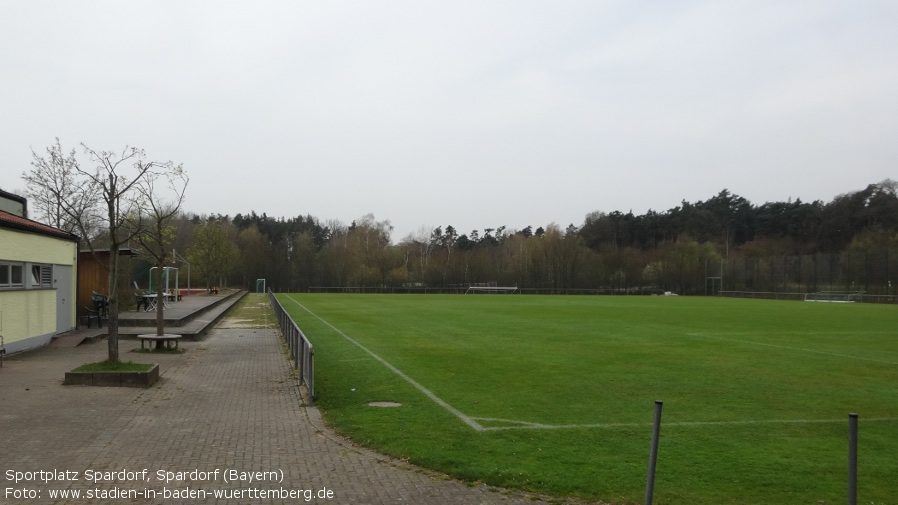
x=811, y=276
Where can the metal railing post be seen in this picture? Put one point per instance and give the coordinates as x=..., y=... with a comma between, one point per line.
x=653, y=454
x=852, y=459
x=311, y=383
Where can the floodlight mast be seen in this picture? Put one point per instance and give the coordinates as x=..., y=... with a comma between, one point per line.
x=175, y=255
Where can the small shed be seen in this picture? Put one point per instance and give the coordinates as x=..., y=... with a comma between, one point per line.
x=93, y=275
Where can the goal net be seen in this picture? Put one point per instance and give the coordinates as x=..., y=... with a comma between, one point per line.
x=835, y=296
x=490, y=288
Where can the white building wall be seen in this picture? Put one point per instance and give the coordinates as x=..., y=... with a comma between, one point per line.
x=28, y=315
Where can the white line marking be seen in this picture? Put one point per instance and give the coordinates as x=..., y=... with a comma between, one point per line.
x=535, y=426
x=524, y=424
x=814, y=351
x=467, y=420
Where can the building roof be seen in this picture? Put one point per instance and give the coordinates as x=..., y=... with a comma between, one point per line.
x=14, y=222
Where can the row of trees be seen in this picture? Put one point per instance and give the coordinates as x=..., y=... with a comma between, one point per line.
x=730, y=221
x=677, y=250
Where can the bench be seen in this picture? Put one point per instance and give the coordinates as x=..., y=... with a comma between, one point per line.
x=162, y=341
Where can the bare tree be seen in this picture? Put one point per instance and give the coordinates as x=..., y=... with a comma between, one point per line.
x=154, y=221
x=120, y=200
x=423, y=243
x=59, y=196
x=98, y=204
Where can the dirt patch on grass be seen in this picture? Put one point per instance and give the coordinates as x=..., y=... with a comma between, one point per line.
x=234, y=323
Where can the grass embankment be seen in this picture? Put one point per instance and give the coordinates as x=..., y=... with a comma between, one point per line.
x=252, y=311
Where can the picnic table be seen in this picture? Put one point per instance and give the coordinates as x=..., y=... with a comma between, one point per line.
x=151, y=301
x=162, y=341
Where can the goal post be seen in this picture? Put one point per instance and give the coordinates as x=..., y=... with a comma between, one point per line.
x=490, y=288
x=713, y=286
x=835, y=296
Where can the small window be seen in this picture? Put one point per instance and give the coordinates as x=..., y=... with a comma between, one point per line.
x=16, y=277
x=41, y=276
x=12, y=275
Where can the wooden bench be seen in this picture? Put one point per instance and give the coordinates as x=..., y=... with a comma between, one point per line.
x=162, y=341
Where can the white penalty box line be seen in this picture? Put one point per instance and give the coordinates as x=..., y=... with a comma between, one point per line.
x=719, y=336
x=439, y=401
x=522, y=425
x=513, y=424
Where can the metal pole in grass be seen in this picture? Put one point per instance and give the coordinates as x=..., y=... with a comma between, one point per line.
x=653, y=454
x=852, y=459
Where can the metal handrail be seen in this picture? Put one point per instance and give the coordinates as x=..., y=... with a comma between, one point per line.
x=300, y=346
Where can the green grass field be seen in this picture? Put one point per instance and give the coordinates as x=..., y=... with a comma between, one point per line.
x=555, y=394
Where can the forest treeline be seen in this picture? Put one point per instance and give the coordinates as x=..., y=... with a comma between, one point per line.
x=787, y=246
x=724, y=242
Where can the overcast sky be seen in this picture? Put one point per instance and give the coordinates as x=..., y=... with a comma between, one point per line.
x=475, y=114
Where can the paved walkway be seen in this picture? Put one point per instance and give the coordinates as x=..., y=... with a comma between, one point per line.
x=227, y=407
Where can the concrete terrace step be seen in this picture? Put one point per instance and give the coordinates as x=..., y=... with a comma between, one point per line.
x=191, y=317
x=193, y=326
x=178, y=313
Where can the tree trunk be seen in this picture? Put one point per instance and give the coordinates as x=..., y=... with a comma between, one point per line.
x=160, y=301
x=112, y=304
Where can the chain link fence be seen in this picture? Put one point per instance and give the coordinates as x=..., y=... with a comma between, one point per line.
x=873, y=273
